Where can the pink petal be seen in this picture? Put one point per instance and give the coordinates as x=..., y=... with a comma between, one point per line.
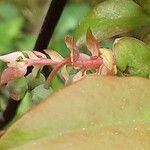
x=11, y=57
x=92, y=43
x=11, y=74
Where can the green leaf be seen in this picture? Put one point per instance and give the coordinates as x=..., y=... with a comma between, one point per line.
x=111, y=18
x=57, y=83
x=132, y=56
x=39, y=93
x=94, y=112
x=17, y=88
x=35, y=81
x=24, y=106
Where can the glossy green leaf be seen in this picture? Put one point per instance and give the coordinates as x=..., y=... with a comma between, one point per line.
x=132, y=56
x=110, y=110
x=111, y=18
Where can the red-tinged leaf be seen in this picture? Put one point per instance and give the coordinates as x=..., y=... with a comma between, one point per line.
x=75, y=53
x=11, y=57
x=11, y=73
x=41, y=62
x=69, y=42
x=92, y=43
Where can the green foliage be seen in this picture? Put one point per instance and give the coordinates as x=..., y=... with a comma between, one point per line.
x=17, y=88
x=39, y=93
x=111, y=18
x=24, y=106
x=10, y=27
x=57, y=83
x=132, y=56
x=35, y=81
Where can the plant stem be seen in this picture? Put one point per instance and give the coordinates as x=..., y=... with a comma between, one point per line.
x=49, y=24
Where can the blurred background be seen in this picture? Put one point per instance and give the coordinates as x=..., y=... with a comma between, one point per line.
x=20, y=21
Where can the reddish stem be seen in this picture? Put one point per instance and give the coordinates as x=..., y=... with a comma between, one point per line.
x=66, y=61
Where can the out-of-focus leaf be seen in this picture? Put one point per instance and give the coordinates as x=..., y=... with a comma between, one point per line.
x=11, y=23
x=9, y=32
x=132, y=56
x=111, y=18
x=26, y=42
x=39, y=93
x=8, y=12
x=109, y=109
x=70, y=18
